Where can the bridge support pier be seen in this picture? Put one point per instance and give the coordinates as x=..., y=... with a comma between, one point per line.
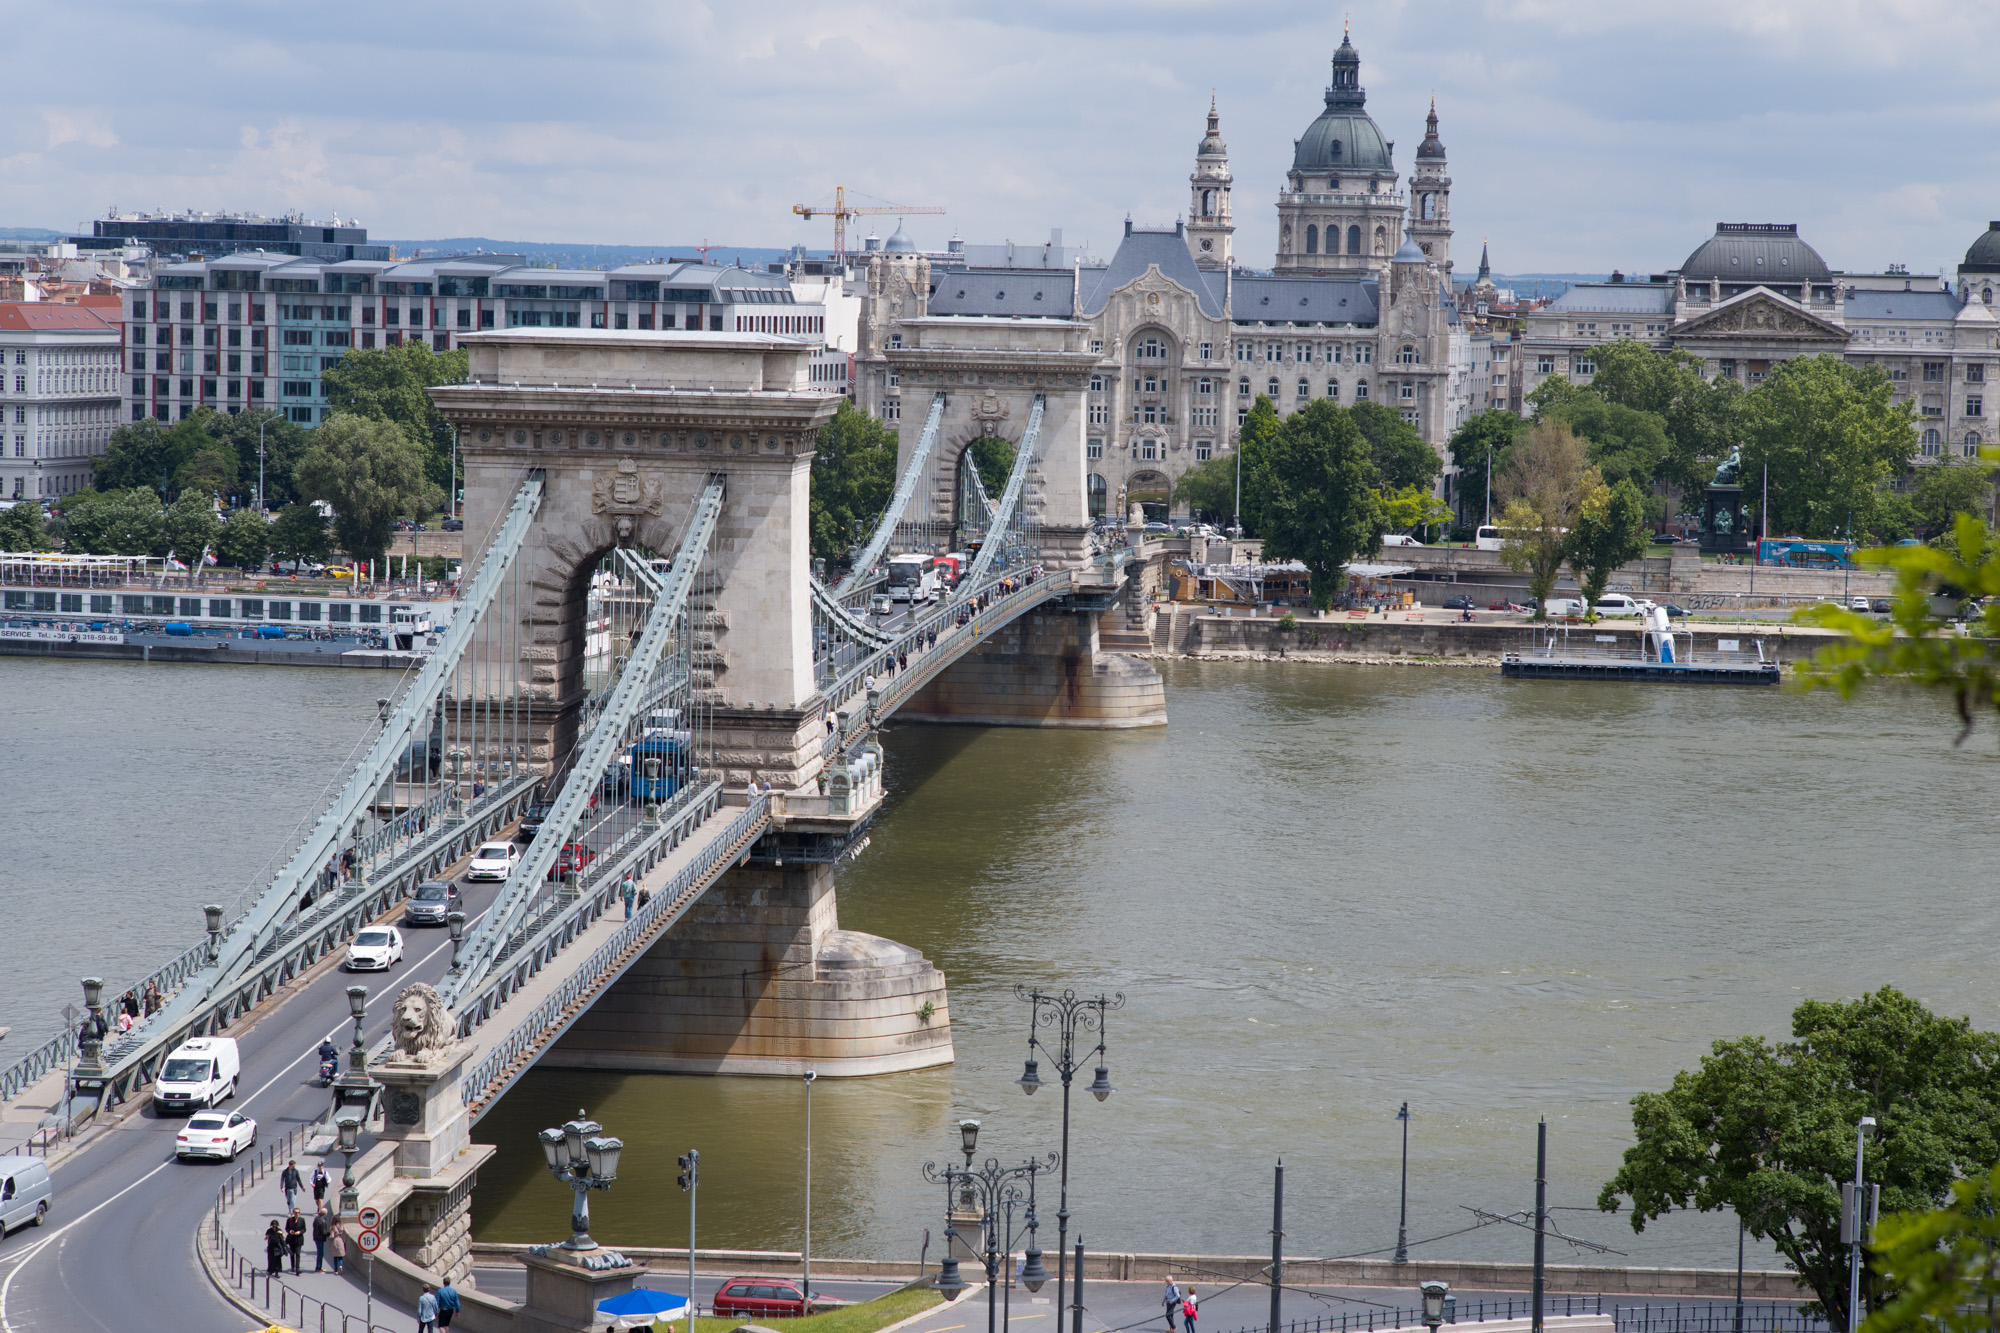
x=758, y=978
x=1046, y=669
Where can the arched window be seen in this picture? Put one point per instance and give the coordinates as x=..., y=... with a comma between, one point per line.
x=1305, y=390
x=1312, y=240
x=1333, y=390
x=1972, y=444
x=1354, y=240
x=1208, y=203
x=1987, y=296
x=1098, y=495
x=1271, y=388
x=1932, y=442
x=1430, y=207
x=1361, y=391
x=1381, y=241
x=1336, y=149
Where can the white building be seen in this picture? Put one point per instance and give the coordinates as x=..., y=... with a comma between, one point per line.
x=59, y=381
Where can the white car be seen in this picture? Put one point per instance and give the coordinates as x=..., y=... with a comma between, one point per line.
x=375, y=949
x=1618, y=604
x=220, y=1134
x=494, y=860
x=1399, y=539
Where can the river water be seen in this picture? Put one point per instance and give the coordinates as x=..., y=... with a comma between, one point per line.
x=1324, y=891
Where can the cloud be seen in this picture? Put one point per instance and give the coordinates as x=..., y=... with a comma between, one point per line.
x=1582, y=135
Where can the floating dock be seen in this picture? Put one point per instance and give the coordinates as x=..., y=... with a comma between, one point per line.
x=1537, y=667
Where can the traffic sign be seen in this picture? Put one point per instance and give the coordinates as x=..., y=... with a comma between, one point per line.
x=370, y=1219
x=371, y=1240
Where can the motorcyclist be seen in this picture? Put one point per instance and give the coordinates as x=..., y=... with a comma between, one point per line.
x=329, y=1055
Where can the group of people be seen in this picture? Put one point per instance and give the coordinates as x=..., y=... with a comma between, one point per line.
x=134, y=1007
x=288, y=1238
x=1179, y=1305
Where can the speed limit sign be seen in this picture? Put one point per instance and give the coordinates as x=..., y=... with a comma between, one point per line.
x=371, y=1240
x=370, y=1219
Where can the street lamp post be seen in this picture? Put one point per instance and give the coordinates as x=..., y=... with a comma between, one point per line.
x=580, y=1157
x=1435, y=1295
x=456, y=921
x=1853, y=1217
x=348, y=1124
x=1066, y=1014
x=806, y=1251
x=992, y=1189
x=1403, y=1209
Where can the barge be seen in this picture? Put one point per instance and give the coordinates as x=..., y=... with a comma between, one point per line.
x=1660, y=659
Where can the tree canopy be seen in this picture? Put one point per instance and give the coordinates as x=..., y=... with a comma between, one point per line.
x=1321, y=508
x=1209, y=489
x=1943, y=1266
x=994, y=457
x=853, y=476
x=299, y=532
x=1547, y=479
x=1610, y=530
x=1831, y=434
x=1767, y=1129
x=208, y=452
x=21, y=528
x=127, y=522
x=1482, y=444
x=191, y=526
x=370, y=472
x=245, y=540
x=388, y=383
x=1402, y=459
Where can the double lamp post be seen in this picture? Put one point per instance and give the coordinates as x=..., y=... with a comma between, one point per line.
x=993, y=1192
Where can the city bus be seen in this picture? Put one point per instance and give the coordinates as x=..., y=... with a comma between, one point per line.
x=914, y=578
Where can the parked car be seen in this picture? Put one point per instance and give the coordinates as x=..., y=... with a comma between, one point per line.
x=531, y=823
x=1881, y=605
x=199, y=1073
x=493, y=860
x=376, y=949
x=453, y=525
x=1858, y=604
x=1399, y=539
x=1664, y=539
x=774, y=1297
x=428, y=906
x=26, y=1192
x=1674, y=611
x=1458, y=603
x=217, y=1134
x=1565, y=606
x=573, y=856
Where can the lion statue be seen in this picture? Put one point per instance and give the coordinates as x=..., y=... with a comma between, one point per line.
x=423, y=1025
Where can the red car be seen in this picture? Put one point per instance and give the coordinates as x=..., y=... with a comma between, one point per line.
x=772, y=1297
x=573, y=856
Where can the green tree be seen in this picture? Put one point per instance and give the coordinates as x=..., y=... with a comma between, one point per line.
x=210, y=471
x=1624, y=442
x=994, y=457
x=1480, y=446
x=1544, y=485
x=299, y=533
x=1321, y=509
x=148, y=453
x=1554, y=392
x=246, y=540
x=1413, y=508
x=1610, y=530
x=1942, y=1265
x=1831, y=434
x=1895, y=516
x=1767, y=1129
x=191, y=526
x=127, y=522
x=284, y=441
x=1209, y=489
x=853, y=476
x=1402, y=458
x=21, y=528
x=370, y=472
x=1948, y=488
x=1256, y=440
x=1697, y=414
x=387, y=384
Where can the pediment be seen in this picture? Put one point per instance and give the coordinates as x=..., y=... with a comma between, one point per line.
x=1761, y=316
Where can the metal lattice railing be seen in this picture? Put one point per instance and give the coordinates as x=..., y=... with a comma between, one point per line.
x=1684, y=1317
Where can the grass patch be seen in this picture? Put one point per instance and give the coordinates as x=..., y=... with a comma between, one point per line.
x=866, y=1317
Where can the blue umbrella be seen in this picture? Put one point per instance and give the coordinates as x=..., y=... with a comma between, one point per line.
x=641, y=1306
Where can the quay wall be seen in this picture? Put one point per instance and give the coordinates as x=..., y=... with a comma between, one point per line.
x=1338, y=638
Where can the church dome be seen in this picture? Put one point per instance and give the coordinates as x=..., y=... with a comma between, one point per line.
x=1755, y=252
x=1345, y=137
x=1984, y=254
x=899, y=242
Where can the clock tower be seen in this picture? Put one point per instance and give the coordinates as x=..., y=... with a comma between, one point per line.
x=1209, y=228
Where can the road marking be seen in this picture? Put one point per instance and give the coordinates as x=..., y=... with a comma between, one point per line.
x=6, y=1287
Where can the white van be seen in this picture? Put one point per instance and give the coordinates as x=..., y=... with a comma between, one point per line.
x=1399, y=539
x=26, y=1194
x=1618, y=604
x=1487, y=538
x=201, y=1072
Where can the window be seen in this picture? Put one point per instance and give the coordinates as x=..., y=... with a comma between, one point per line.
x=1410, y=416
x=1303, y=354
x=1100, y=414
x=1305, y=389
x=1361, y=391
x=1586, y=366
x=1406, y=355
x=1208, y=351
x=1406, y=390
x=1586, y=329
x=1933, y=443
x=1621, y=330
x=1243, y=388
x=895, y=340
x=308, y=610
x=1271, y=387
x=1098, y=490
x=1097, y=384
x=1242, y=351
x=1933, y=372
x=1094, y=449
x=100, y=604
x=1363, y=354
x=1312, y=240
x=1151, y=349
x=371, y=613
x=1354, y=236
x=1972, y=444
x=1097, y=347
x=1152, y=384
x=1656, y=330
x=1975, y=406
x=1203, y=450
x=1545, y=365
x=1333, y=390
x=1242, y=415
x=1204, y=416
x=1148, y=450
x=340, y=613
x=892, y=411
x=1203, y=388
x=1274, y=352
x=251, y=608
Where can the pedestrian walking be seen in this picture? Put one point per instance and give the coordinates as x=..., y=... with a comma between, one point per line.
x=1188, y=1311
x=321, y=1182
x=291, y=1182
x=1171, y=1299
x=295, y=1238
x=427, y=1311
x=322, y=1233
x=447, y=1304
x=629, y=893
x=338, y=1245
x=274, y=1248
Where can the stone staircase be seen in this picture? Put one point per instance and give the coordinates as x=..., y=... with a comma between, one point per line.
x=1126, y=627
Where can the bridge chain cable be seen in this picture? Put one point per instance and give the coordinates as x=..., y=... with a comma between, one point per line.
x=513, y=909
x=1003, y=517
x=906, y=486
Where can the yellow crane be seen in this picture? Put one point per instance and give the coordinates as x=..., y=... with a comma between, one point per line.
x=840, y=210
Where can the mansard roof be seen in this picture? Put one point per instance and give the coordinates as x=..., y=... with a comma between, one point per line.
x=1141, y=249
x=1901, y=305
x=1254, y=300
x=1045, y=293
x=1614, y=298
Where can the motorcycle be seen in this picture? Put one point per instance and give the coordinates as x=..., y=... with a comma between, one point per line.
x=329, y=1070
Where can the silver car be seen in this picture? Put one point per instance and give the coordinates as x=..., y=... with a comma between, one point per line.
x=429, y=904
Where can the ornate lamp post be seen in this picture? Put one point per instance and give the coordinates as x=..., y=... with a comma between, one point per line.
x=213, y=914
x=1436, y=1295
x=579, y=1157
x=992, y=1190
x=355, y=1089
x=1403, y=1209
x=348, y=1123
x=456, y=920
x=1066, y=1014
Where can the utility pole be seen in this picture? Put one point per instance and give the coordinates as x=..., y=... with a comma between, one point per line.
x=805, y=1288
x=1277, y=1244
x=261, y=421
x=1403, y=1209
x=691, y=1181
x=1541, y=1212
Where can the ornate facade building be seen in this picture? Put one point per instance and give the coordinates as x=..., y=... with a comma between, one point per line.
x=1357, y=307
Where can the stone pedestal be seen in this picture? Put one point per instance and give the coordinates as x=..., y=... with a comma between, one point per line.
x=1725, y=528
x=565, y=1287
x=758, y=978
x=422, y=1110
x=1043, y=670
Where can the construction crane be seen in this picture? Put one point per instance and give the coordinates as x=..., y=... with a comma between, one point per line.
x=841, y=211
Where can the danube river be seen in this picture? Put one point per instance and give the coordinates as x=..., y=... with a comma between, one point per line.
x=1324, y=891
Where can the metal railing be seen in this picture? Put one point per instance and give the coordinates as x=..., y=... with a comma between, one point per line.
x=281, y=1302
x=906, y=486
x=486, y=1081
x=1719, y=1316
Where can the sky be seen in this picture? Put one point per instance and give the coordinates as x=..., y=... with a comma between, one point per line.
x=1583, y=135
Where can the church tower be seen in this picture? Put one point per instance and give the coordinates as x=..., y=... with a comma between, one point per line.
x=1430, y=197
x=1209, y=228
x=1339, y=211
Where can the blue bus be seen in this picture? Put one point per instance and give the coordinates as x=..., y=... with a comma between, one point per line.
x=658, y=767
x=1797, y=553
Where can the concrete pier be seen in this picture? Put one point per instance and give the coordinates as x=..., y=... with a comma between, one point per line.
x=1046, y=669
